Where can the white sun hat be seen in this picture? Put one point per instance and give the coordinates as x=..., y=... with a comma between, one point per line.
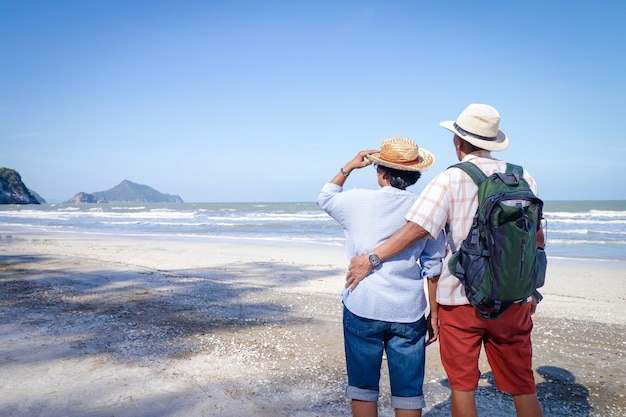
x=478, y=124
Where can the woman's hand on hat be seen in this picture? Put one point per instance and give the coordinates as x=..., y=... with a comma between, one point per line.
x=359, y=161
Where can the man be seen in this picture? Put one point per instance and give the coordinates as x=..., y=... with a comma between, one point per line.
x=451, y=198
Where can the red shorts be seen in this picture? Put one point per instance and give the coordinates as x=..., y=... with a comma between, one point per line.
x=507, y=345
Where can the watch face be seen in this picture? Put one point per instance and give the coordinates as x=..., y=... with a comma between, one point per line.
x=374, y=259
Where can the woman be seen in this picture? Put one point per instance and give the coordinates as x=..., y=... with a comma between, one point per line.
x=386, y=311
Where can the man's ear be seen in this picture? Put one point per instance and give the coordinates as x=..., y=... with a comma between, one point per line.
x=457, y=142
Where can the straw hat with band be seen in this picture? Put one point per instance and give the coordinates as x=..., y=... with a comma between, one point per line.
x=403, y=154
x=478, y=125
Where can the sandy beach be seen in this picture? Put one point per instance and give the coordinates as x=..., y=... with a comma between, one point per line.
x=103, y=326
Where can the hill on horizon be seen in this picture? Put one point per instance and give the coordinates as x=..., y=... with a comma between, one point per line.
x=127, y=192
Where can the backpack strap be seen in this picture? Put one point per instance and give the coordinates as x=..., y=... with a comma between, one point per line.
x=514, y=169
x=475, y=173
x=517, y=172
x=478, y=176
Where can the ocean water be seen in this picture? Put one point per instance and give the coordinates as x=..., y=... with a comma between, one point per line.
x=586, y=229
x=575, y=229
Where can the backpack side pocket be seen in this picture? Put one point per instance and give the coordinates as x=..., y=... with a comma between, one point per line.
x=542, y=266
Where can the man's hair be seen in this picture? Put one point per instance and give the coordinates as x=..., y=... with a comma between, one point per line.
x=398, y=178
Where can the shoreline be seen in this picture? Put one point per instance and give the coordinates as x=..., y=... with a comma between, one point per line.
x=116, y=325
x=248, y=240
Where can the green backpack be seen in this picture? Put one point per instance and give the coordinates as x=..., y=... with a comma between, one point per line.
x=499, y=262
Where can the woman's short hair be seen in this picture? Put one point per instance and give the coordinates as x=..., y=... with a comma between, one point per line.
x=398, y=178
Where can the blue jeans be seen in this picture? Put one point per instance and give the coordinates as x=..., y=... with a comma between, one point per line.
x=405, y=344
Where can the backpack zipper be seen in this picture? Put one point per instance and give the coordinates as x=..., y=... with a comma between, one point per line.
x=523, y=256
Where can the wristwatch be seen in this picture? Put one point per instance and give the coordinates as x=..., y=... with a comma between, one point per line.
x=374, y=259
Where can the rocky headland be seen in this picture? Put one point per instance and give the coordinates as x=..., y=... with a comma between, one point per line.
x=13, y=190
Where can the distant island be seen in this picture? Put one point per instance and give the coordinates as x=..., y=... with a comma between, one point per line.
x=126, y=192
x=13, y=190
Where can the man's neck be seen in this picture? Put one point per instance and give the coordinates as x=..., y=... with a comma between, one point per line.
x=476, y=154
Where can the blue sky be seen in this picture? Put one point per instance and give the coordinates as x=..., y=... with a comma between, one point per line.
x=266, y=100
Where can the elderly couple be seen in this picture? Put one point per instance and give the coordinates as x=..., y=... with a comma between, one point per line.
x=395, y=239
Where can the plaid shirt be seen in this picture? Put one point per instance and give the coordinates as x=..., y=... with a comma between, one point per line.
x=452, y=197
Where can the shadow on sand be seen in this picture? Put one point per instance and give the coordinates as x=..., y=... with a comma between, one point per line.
x=142, y=316
x=559, y=395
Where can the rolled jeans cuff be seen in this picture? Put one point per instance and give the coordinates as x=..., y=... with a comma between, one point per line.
x=408, y=403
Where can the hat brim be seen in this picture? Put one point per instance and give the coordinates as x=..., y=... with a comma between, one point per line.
x=425, y=161
x=500, y=144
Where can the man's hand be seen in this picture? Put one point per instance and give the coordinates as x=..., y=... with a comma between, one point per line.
x=406, y=236
x=433, y=328
x=533, y=305
x=360, y=266
x=433, y=317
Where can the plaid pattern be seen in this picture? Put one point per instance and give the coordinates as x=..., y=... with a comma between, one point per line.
x=452, y=197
